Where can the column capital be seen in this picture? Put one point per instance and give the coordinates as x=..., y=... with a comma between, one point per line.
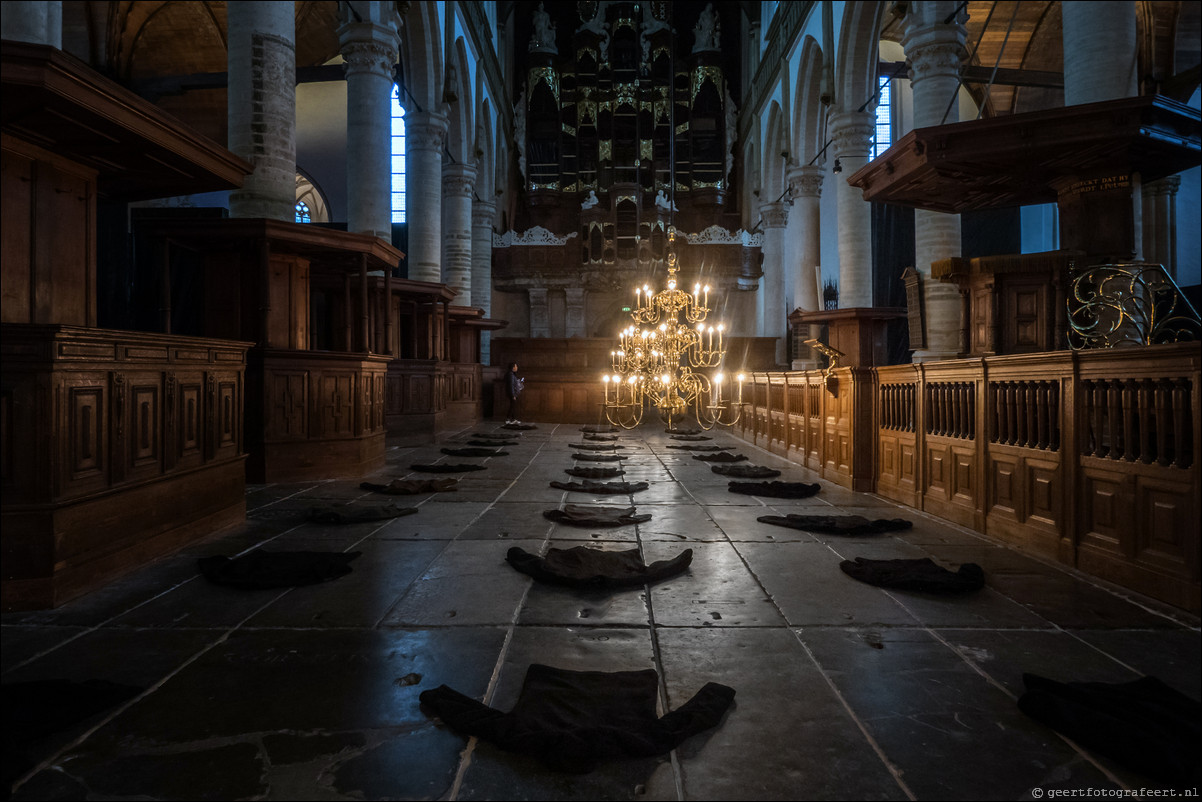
x=806, y=181
x=483, y=213
x=852, y=132
x=1162, y=186
x=426, y=130
x=458, y=180
x=371, y=56
x=775, y=214
x=935, y=59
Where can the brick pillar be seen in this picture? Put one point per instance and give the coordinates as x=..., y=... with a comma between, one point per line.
x=370, y=51
x=806, y=183
x=262, y=107
x=1160, y=222
x=425, y=135
x=852, y=134
x=1100, y=58
x=483, y=214
x=458, y=180
x=39, y=23
x=934, y=50
x=772, y=316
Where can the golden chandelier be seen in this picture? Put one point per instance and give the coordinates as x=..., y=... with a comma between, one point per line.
x=658, y=358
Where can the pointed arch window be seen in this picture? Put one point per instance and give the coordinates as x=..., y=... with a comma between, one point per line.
x=302, y=213
x=883, y=137
x=398, y=157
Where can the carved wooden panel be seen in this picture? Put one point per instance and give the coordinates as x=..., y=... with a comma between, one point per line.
x=1166, y=525
x=964, y=484
x=190, y=426
x=938, y=470
x=336, y=404
x=1104, y=511
x=145, y=423
x=287, y=402
x=227, y=415
x=1024, y=321
x=1006, y=486
x=1043, y=489
x=86, y=431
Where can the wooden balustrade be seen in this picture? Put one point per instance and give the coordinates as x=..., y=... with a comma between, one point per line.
x=1084, y=457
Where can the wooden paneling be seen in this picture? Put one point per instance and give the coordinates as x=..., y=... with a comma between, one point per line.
x=1089, y=458
x=104, y=433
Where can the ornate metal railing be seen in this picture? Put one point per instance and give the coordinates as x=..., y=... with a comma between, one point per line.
x=1128, y=304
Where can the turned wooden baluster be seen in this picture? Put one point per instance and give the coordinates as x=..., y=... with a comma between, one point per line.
x=1054, y=416
x=956, y=413
x=1130, y=442
x=1011, y=413
x=970, y=390
x=1114, y=419
x=1147, y=431
x=1041, y=415
x=1184, y=438
x=1164, y=425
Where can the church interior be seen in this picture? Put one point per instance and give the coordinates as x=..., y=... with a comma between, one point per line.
x=384, y=384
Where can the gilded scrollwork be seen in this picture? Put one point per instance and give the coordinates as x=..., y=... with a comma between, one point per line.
x=1116, y=305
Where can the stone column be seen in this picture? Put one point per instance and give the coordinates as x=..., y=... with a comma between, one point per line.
x=852, y=133
x=806, y=183
x=1160, y=222
x=425, y=135
x=483, y=214
x=370, y=52
x=1100, y=58
x=458, y=180
x=262, y=107
x=540, y=320
x=574, y=312
x=934, y=50
x=772, y=315
x=39, y=23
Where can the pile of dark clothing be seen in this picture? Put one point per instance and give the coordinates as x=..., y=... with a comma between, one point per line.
x=918, y=574
x=591, y=515
x=593, y=569
x=837, y=524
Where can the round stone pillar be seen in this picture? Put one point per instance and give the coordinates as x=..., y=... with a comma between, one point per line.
x=425, y=135
x=370, y=52
x=483, y=214
x=458, y=181
x=852, y=133
x=262, y=107
x=39, y=23
x=806, y=183
x=934, y=50
x=1160, y=222
x=772, y=314
x=1100, y=59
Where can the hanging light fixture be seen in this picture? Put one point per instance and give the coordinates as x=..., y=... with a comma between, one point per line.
x=670, y=358
x=660, y=359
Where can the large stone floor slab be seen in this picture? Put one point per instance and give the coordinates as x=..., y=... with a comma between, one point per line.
x=843, y=690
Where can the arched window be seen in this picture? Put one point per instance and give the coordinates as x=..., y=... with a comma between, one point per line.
x=883, y=137
x=302, y=212
x=398, y=157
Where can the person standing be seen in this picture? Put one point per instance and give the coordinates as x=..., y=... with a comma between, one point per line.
x=513, y=388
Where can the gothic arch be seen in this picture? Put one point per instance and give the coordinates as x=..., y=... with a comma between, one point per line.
x=809, y=114
x=461, y=133
x=421, y=56
x=776, y=149
x=857, y=56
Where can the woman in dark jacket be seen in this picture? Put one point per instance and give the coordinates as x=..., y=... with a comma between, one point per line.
x=513, y=388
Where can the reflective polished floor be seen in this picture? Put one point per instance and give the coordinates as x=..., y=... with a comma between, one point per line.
x=844, y=690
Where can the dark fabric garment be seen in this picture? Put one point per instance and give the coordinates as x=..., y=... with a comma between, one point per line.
x=36, y=710
x=837, y=524
x=745, y=471
x=691, y=437
x=572, y=720
x=591, y=515
x=593, y=569
x=263, y=570
x=519, y=426
x=721, y=456
x=474, y=452
x=600, y=457
x=1144, y=724
x=596, y=446
x=604, y=438
x=412, y=487
x=594, y=473
x=349, y=514
x=599, y=429
x=775, y=489
x=588, y=486
x=513, y=385
x=921, y=574
x=492, y=443
x=448, y=468
x=700, y=448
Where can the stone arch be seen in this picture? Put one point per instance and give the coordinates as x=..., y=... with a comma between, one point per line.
x=458, y=85
x=857, y=56
x=775, y=159
x=422, y=57
x=809, y=114
x=483, y=153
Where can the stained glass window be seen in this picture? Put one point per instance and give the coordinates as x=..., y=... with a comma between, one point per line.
x=398, y=157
